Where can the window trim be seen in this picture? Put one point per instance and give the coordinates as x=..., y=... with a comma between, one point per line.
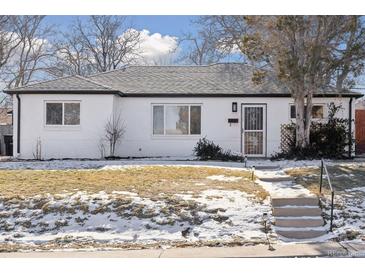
x=63, y=102
x=189, y=105
x=315, y=119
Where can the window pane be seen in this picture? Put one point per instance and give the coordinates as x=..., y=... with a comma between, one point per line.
x=317, y=112
x=158, y=119
x=292, y=112
x=195, y=120
x=54, y=113
x=177, y=119
x=72, y=114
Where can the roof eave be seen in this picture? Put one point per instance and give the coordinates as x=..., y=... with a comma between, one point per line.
x=11, y=92
x=145, y=94
x=284, y=95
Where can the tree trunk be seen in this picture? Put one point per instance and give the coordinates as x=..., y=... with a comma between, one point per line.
x=111, y=153
x=308, y=117
x=301, y=140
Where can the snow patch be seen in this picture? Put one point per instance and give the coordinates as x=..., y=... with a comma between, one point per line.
x=224, y=178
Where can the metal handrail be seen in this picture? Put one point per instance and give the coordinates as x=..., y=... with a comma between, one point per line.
x=324, y=168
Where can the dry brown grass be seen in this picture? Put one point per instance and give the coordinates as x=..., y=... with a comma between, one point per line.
x=342, y=177
x=146, y=181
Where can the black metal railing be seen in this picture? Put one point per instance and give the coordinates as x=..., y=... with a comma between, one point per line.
x=324, y=168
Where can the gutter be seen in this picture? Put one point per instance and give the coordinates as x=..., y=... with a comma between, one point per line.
x=350, y=127
x=18, y=123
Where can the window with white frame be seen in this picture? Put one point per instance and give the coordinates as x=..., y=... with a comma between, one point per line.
x=171, y=119
x=317, y=111
x=63, y=113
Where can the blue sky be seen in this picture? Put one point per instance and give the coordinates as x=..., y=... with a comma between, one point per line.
x=166, y=25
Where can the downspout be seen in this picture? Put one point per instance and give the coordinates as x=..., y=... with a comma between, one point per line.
x=350, y=128
x=18, y=124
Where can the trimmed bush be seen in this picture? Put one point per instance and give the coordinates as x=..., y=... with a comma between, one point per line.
x=206, y=150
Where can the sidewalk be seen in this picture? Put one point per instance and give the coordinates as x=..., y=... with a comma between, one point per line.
x=329, y=249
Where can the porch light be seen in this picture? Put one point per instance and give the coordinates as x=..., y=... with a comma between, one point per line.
x=234, y=107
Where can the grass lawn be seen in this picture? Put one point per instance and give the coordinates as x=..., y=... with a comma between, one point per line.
x=147, y=181
x=343, y=177
x=138, y=207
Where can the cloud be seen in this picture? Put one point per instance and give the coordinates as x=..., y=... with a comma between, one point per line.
x=156, y=48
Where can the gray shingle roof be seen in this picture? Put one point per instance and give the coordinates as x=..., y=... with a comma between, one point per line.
x=230, y=79
x=213, y=79
x=68, y=83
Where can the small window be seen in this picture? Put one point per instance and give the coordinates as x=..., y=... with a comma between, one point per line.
x=176, y=120
x=62, y=113
x=317, y=111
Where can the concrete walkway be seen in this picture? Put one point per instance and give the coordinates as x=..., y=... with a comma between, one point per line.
x=329, y=249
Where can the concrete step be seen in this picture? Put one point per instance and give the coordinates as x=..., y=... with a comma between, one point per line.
x=301, y=234
x=299, y=222
x=295, y=201
x=296, y=211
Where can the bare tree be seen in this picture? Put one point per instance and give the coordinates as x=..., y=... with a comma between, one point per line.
x=8, y=39
x=110, y=43
x=33, y=52
x=201, y=49
x=72, y=57
x=114, y=132
x=224, y=33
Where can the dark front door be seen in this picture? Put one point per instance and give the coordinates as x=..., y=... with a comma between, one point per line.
x=8, y=140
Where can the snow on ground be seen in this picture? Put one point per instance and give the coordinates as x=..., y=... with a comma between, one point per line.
x=349, y=214
x=115, y=164
x=282, y=188
x=223, y=178
x=125, y=217
x=6, y=163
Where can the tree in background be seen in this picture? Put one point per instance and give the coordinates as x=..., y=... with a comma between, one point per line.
x=107, y=42
x=201, y=49
x=72, y=57
x=8, y=39
x=304, y=53
x=31, y=57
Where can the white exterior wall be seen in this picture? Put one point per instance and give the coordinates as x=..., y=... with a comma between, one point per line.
x=138, y=141
x=61, y=141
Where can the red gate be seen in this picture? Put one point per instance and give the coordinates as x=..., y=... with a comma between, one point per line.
x=360, y=130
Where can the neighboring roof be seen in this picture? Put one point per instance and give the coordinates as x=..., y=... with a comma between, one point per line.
x=229, y=79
